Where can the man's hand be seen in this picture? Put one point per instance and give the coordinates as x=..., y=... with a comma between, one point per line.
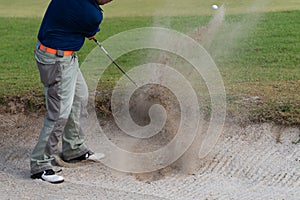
x=102, y=2
x=92, y=38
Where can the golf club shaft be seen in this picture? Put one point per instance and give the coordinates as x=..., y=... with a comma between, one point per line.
x=113, y=61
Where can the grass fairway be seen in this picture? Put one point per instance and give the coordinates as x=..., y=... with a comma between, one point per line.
x=265, y=63
x=134, y=8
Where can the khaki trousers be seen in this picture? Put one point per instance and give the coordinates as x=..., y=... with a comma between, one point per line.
x=66, y=95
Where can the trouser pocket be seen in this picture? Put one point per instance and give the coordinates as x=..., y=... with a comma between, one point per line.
x=49, y=73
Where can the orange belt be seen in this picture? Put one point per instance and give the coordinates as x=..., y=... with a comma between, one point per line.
x=55, y=52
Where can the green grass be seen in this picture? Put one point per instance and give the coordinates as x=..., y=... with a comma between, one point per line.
x=194, y=7
x=18, y=71
x=18, y=8
x=265, y=62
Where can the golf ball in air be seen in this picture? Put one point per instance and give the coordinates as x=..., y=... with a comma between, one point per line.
x=215, y=7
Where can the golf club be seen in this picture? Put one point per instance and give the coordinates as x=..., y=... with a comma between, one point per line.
x=113, y=61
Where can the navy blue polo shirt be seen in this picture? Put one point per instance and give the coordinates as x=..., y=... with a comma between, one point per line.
x=67, y=22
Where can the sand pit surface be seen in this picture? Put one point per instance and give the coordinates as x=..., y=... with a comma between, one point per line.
x=257, y=161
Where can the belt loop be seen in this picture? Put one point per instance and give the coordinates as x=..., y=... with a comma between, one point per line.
x=41, y=47
x=60, y=53
x=38, y=43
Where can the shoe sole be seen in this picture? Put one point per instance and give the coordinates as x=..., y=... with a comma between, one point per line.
x=96, y=157
x=56, y=182
x=62, y=163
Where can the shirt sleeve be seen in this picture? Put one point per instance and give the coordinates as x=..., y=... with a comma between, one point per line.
x=91, y=20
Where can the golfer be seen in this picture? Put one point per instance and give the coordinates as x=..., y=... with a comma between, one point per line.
x=63, y=30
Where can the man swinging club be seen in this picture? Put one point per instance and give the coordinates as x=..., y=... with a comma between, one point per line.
x=63, y=30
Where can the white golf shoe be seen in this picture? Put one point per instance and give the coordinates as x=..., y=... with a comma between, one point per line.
x=49, y=176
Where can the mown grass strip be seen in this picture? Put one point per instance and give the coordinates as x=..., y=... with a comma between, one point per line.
x=141, y=8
